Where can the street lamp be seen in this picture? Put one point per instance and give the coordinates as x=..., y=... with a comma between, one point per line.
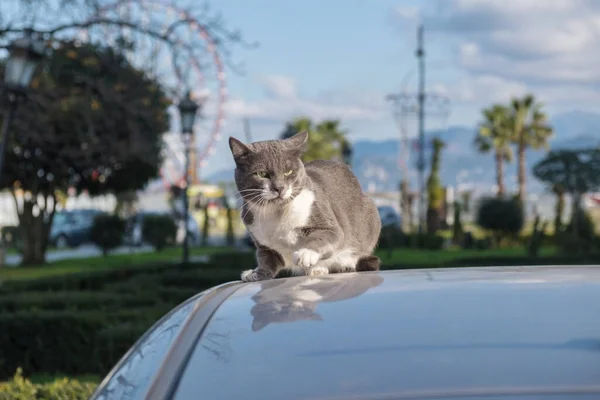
x=188, y=109
x=347, y=153
x=25, y=54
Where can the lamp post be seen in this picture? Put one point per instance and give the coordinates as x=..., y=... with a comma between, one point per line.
x=187, y=111
x=347, y=153
x=24, y=56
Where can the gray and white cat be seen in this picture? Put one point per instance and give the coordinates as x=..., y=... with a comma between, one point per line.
x=312, y=218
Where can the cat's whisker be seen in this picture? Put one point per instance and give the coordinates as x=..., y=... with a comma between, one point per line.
x=262, y=209
x=250, y=190
x=249, y=209
x=248, y=202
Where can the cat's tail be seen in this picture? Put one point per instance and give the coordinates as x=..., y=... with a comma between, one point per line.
x=368, y=263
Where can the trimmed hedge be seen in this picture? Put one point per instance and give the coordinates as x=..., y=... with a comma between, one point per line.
x=392, y=237
x=20, y=388
x=72, y=301
x=83, y=323
x=65, y=342
x=499, y=261
x=83, y=281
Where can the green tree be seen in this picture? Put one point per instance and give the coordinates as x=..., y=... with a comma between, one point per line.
x=435, y=190
x=93, y=123
x=494, y=134
x=502, y=216
x=530, y=129
x=205, y=225
x=457, y=227
x=559, y=208
x=326, y=140
x=229, y=234
x=573, y=171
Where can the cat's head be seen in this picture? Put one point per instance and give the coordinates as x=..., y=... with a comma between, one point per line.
x=269, y=171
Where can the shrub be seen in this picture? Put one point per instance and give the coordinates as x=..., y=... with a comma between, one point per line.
x=107, y=232
x=20, y=388
x=537, y=237
x=482, y=244
x=9, y=235
x=72, y=300
x=579, y=235
x=63, y=341
x=391, y=237
x=502, y=216
x=159, y=231
x=429, y=241
x=89, y=280
x=83, y=323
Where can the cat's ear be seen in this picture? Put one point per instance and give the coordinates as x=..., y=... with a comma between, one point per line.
x=238, y=149
x=298, y=142
x=257, y=324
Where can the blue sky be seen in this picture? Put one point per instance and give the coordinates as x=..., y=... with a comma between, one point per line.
x=339, y=58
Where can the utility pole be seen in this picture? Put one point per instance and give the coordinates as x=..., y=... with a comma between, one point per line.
x=247, y=131
x=421, y=163
x=421, y=104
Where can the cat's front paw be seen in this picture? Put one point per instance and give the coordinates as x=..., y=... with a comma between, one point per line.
x=315, y=271
x=305, y=258
x=255, y=275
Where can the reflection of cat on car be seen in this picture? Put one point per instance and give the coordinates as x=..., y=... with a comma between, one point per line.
x=290, y=300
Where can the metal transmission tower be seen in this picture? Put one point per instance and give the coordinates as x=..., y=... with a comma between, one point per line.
x=421, y=104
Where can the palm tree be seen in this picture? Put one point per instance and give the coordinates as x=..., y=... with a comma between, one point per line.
x=326, y=140
x=530, y=129
x=495, y=134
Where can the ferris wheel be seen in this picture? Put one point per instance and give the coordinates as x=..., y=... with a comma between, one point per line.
x=190, y=60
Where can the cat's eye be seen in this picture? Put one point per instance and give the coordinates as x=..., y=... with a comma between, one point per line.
x=262, y=174
x=288, y=173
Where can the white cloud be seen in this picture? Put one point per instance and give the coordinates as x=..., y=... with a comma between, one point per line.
x=283, y=102
x=482, y=89
x=280, y=86
x=546, y=46
x=407, y=12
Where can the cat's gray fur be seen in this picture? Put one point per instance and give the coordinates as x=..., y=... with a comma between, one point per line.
x=316, y=219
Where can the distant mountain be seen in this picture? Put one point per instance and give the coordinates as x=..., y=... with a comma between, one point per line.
x=224, y=175
x=376, y=163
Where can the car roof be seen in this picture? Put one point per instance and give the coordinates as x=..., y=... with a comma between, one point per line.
x=500, y=332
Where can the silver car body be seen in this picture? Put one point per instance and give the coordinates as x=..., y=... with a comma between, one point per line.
x=501, y=333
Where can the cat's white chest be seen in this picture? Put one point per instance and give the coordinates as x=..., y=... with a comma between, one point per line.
x=276, y=228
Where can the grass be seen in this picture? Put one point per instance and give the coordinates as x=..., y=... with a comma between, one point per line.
x=400, y=256
x=102, y=263
x=405, y=256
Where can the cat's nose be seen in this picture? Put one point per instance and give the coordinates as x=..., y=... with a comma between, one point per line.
x=279, y=190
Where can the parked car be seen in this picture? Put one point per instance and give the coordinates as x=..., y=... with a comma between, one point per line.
x=134, y=228
x=193, y=229
x=73, y=227
x=500, y=332
x=135, y=224
x=389, y=217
